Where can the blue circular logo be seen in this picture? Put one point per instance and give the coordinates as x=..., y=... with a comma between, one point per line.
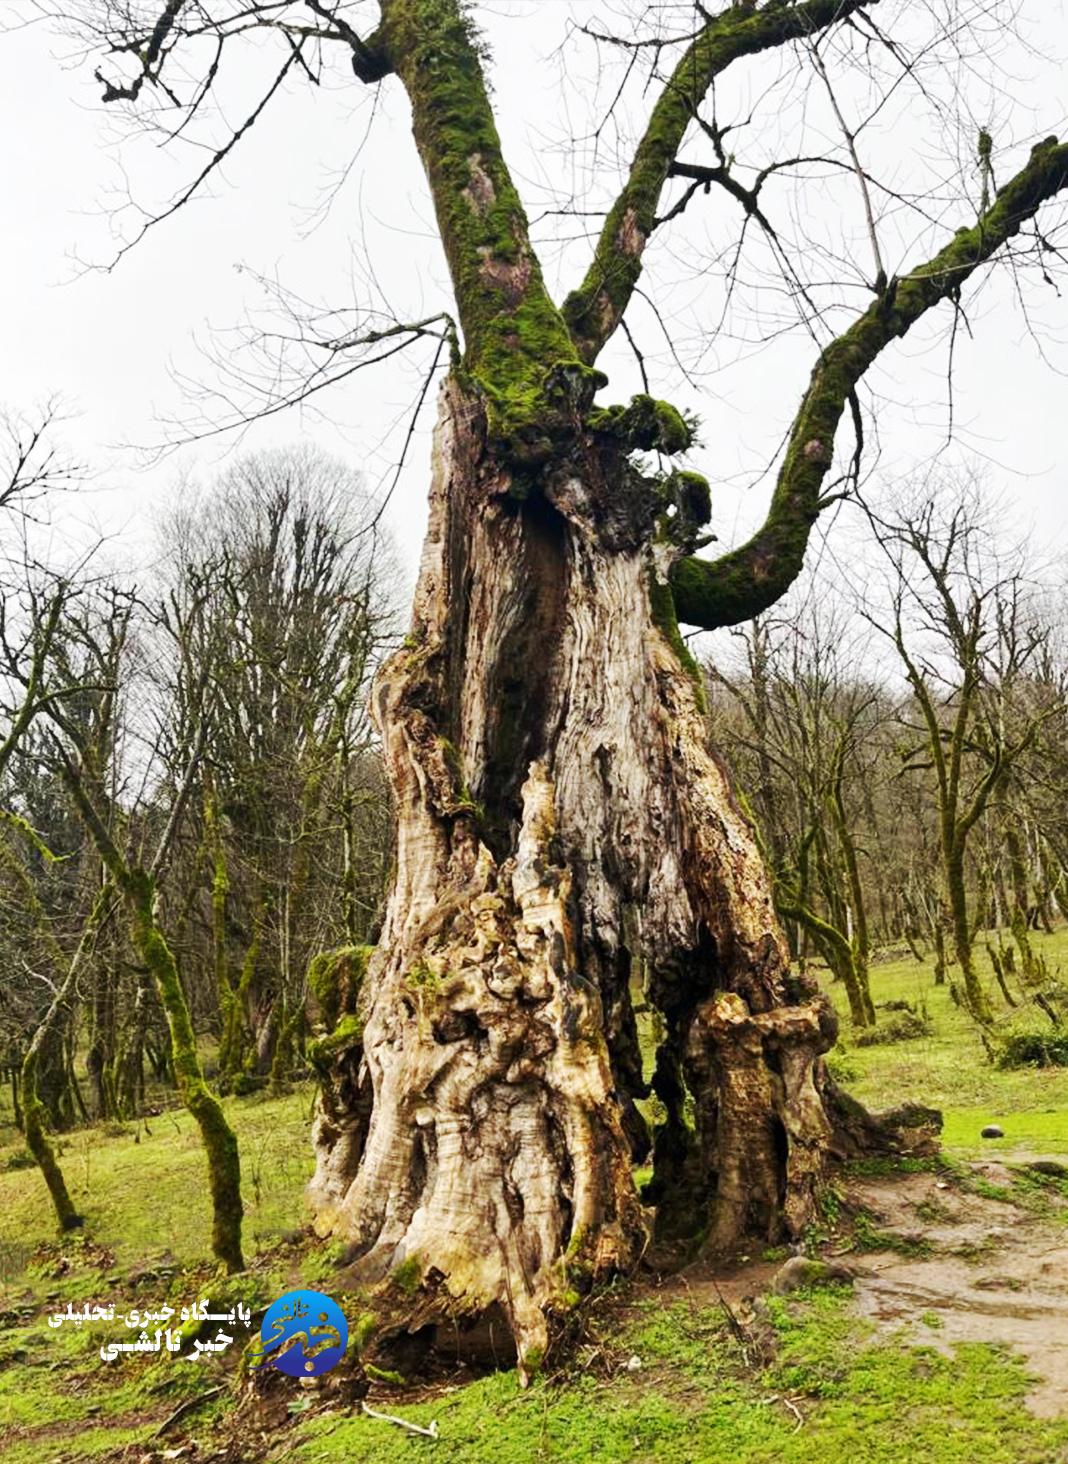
x=303, y=1334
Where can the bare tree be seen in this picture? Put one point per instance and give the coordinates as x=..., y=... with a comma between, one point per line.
x=94, y=636
x=807, y=711
x=280, y=604
x=542, y=727
x=960, y=626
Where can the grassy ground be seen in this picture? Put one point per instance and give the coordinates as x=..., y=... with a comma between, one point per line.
x=142, y=1187
x=656, y=1381
x=949, y=1069
x=829, y=1395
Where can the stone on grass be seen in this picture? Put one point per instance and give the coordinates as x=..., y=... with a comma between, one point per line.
x=799, y=1271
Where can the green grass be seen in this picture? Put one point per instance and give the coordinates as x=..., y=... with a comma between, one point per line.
x=949, y=1069
x=691, y=1401
x=54, y=1379
x=142, y=1198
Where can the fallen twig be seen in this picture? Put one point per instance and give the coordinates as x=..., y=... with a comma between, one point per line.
x=186, y=1407
x=430, y=1433
x=797, y=1414
x=779, y=1398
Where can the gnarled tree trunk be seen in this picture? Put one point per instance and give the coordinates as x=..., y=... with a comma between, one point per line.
x=545, y=743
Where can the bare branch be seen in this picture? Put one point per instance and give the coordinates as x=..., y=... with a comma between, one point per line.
x=594, y=310
x=748, y=580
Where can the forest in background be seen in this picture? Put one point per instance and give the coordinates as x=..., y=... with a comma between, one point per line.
x=897, y=730
x=244, y=654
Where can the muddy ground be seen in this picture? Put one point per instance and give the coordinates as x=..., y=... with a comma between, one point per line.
x=940, y=1255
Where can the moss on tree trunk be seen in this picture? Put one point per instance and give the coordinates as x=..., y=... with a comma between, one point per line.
x=33, y=1109
x=220, y=1141
x=138, y=892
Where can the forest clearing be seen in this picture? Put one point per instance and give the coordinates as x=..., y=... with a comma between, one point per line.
x=534, y=732
x=950, y=1343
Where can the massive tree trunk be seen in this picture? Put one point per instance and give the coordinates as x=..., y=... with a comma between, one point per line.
x=546, y=747
x=543, y=731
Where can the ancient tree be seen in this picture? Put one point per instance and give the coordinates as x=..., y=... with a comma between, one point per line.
x=562, y=819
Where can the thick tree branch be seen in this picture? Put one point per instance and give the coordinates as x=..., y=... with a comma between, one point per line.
x=741, y=584
x=514, y=336
x=594, y=310
x=370, y=61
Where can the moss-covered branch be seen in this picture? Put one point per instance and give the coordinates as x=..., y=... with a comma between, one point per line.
x=33, y=1108
x=594, y=310
x=220, y=1141
x=839, y=954
x=137, y=888
x=515, y=340
x=747, y=581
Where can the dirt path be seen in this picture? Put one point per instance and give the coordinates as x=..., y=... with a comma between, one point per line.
x=997, y=1274
x=957, y=1267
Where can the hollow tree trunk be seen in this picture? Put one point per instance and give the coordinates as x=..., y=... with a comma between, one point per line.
x=547, y=753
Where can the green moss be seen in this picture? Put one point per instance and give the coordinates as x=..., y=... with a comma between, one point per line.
x=813, y=1273
x=533, y=1358
x=673, y=433
x=455, y=762
x=452, y=758
x=514, y=336
x=334, y=979
x=385, y=1375
x=322, y=1052
x=692, y=493
x=576, y=1243
x=246, y=1083
x=868, y=1237
x=662, y=607
x=364, y=1329
x=644, y=426
x=408, y=1276
x=420, y=977
x=220, y=1142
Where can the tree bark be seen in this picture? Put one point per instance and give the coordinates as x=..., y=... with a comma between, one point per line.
x=546, y=748
x=33, y=1109
x=137, y=888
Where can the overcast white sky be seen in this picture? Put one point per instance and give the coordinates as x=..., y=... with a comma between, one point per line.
x=105, y=341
